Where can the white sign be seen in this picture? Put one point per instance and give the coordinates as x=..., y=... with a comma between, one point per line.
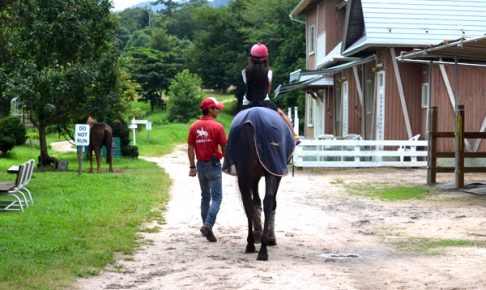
x=148, y=126
x=81, y=135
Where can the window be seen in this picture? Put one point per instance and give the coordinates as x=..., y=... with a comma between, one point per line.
x=425, y=95
x=312, y=39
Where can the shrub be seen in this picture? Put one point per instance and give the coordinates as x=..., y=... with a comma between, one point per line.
x=121, y=130
x=184, y=97
x=12, y=133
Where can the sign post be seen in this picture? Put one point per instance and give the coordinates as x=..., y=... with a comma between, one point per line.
x=81, y=138
x=134, y=130
x=148, y=127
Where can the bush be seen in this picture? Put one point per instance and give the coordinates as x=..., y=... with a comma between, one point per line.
x=120, y=129
x=184, y=97
x=12, y=133
x=130, y=151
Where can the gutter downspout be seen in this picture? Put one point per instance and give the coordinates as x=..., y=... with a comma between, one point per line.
x=296, y=20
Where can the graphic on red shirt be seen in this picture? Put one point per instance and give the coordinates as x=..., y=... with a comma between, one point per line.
x=201, y=133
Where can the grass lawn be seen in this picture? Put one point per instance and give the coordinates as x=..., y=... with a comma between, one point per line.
x=164, y=136
x=78, y=222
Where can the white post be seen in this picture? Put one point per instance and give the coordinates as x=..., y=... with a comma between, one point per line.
x=296, y=121
x=289, y=113
x=134, y=131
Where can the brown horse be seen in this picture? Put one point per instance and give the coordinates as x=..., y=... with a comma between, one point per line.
x=259, y=145
x=100, y=134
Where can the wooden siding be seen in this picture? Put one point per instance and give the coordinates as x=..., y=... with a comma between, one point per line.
x=354, y=109
x=472, y=94
x=333, y=20
x=311, y=20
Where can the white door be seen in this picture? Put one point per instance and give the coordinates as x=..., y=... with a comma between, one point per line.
x=319, y=117
x=380, y=106
x=345, y=107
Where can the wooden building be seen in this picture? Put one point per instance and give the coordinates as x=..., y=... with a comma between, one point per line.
x=357, y=45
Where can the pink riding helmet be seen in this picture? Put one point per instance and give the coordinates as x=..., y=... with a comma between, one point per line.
x=259, y=51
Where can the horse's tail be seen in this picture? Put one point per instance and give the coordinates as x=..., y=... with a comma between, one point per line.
x=108, y=143
x=246, y=167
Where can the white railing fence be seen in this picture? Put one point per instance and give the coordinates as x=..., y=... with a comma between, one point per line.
x=361, y=153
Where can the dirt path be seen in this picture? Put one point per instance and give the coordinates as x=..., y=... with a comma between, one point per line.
x=326, y=238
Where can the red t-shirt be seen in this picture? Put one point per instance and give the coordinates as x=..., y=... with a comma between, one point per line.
x=205, y=135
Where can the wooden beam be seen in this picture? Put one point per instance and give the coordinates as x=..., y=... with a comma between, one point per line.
x=451, y=95
x=401, y=93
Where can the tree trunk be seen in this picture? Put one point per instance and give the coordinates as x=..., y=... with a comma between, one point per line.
x=44, y=158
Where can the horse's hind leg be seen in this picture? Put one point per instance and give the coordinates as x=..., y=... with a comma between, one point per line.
x=271, y=187
x=244, y=185
x=90, y=158
x=257, y=222
x=250, y=246
x=109, y=157
x=98, y=157
x=272, y=239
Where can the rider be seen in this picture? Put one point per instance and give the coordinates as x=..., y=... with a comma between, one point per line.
x=258, y=79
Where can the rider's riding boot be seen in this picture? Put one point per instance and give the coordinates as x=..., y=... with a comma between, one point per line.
x=272, y=239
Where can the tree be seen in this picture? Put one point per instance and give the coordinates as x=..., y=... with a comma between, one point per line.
x=153, y=70
x=170, y=6
x=5, y=57
x=65, y=61
x=218, y=54
x=134, y=19
x=184, y=97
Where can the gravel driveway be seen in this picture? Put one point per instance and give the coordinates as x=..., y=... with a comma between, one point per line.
x=327, y=238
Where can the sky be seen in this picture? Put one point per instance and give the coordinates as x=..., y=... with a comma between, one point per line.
x=119, y=5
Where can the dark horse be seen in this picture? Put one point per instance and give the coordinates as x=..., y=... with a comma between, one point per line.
x=259, y=145
x=100, y=134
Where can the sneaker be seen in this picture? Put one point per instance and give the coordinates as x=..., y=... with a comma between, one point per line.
x=208, y=233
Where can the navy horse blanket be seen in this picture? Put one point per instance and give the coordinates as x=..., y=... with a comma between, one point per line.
x=273, y=140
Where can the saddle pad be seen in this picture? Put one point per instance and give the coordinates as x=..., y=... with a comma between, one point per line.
x=273, y=139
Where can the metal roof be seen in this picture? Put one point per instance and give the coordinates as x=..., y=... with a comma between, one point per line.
x=470, y=51
x=335, y=56
x=305, y=80
x=416, y=22
x=318, y=78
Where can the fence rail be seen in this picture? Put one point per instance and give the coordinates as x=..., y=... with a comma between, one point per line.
x=361, y=153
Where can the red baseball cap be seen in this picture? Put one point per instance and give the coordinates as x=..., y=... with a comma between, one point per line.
x=210, y=102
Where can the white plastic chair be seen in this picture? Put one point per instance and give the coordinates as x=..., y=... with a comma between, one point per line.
x=403, y=148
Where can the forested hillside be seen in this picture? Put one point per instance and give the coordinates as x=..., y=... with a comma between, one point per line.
x=211, y=42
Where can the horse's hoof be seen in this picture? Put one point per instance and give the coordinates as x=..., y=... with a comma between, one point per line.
x=262, y=257
x=250, y=249
x=272, y=242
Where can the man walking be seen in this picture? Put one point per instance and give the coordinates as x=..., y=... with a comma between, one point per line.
x=207, y=143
